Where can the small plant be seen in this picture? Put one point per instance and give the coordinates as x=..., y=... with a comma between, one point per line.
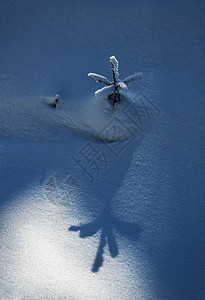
x=113, y=89
x=54, y=104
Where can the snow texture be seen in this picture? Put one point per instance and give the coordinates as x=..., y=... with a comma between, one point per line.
x=102, y=202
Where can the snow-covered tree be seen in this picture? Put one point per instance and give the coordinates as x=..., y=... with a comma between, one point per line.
x=114, y=88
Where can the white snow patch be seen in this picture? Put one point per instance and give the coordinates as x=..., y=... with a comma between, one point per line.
x=41, y=259
x=105, y=91
x=115, y=64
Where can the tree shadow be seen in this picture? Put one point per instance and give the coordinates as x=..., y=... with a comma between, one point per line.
x=108, y=224
x=129, y=117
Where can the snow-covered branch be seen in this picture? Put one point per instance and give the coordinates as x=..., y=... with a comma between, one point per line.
x=132, y=78
x=115, y=64
x=106, y=91
x=121, y=85
x=114, y=89
x=99, y=78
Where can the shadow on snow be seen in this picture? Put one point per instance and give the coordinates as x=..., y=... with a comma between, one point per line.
x=107, y=223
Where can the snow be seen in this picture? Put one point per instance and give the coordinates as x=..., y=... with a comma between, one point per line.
x=122, y=86
x=133, y=229
x=115, y=64
x=135, y=77
x=105, y=91
x=99, y=78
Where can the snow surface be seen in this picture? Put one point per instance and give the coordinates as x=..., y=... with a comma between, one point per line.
x=136, y=230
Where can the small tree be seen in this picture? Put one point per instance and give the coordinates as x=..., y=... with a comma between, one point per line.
x=113, y=89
